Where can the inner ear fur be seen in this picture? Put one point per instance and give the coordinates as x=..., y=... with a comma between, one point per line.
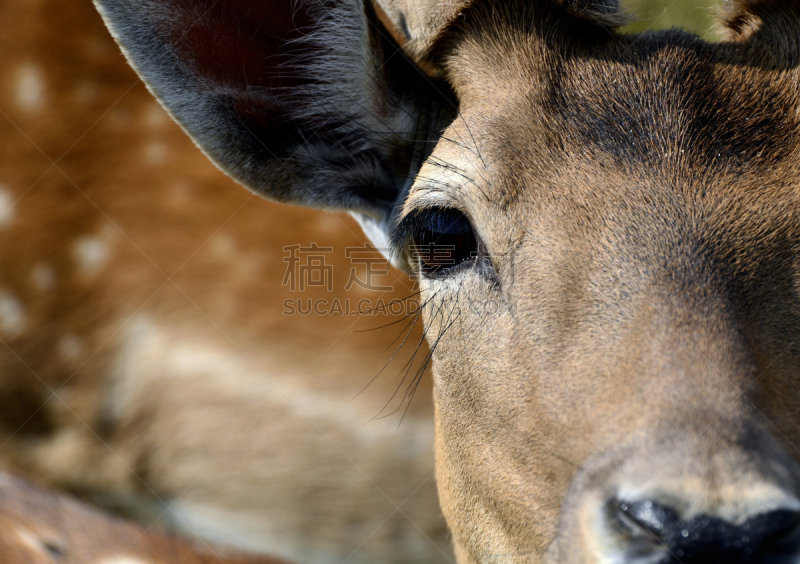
x=420, y=25
x=308, y=102
x=774, y=23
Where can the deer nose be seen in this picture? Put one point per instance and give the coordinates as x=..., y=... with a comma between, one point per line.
x=656, y=533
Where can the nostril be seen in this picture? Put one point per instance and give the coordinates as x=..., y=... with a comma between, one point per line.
x=651, y=527
x=644, y=519
x=774, y=529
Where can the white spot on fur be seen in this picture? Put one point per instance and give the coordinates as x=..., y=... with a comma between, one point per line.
x=223, y=246
x=155, y=152
x=31, y=540
x=28, y=538
x=70, y=347
x=122, y=560
x=91, y=254
x=12, y=315
x=328, y=223
x=6, y=207
x=155, y=116
x=30, y=88
x=43, y=277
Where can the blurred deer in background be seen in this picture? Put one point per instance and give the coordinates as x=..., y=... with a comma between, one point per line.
x=145, y=359
x=38, y=526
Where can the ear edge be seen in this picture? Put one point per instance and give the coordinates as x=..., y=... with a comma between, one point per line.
x=259, y=129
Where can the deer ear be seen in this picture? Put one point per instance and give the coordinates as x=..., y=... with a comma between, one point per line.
x=771, y=22
x=418, y=24
x=421, y=23
x=308, y=103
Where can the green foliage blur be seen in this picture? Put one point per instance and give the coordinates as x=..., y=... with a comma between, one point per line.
x=698, y=16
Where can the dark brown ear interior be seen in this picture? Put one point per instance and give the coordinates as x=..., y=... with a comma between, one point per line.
x=745, y=17
x=305, y=101
x=769, y=31
x=251, y=51
x=237, y=42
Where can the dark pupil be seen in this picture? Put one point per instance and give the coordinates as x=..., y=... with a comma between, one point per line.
x=444, y=240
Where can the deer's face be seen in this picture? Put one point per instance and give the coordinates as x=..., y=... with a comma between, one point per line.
x=620, y=325
x=606, y=233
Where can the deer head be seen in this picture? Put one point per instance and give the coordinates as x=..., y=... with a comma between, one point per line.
x=605, y=228
x=39, y=526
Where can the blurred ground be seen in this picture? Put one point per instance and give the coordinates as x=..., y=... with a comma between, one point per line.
x=694, y=15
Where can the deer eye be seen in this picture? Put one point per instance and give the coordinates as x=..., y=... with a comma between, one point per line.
x=441, y=241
